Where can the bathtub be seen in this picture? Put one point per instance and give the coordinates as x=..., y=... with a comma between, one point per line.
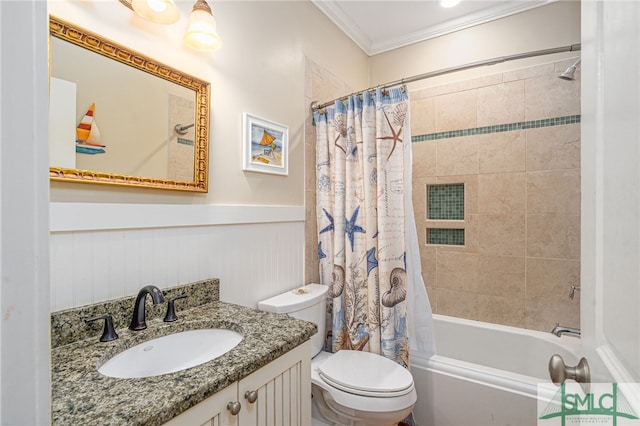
x=484, y=374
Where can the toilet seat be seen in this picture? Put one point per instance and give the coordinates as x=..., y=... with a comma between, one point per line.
x=352, y=401
x=366, y=374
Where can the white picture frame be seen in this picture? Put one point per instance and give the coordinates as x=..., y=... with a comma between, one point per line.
x=265, y=146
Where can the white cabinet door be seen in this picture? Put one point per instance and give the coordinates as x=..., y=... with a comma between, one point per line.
x=278, y=394
x=210, y=412
x=280, y=391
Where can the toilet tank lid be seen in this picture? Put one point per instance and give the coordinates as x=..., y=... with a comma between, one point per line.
x=294, y=300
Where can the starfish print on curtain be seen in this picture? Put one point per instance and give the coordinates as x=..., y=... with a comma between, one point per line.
x=399, y=115
x=351, y=227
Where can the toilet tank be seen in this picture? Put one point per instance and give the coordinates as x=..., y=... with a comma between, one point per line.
x=307, y=303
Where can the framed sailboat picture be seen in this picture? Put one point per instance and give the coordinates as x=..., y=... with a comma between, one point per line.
x=266, y=146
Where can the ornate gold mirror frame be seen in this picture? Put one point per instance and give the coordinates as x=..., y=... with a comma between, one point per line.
x=95, y=43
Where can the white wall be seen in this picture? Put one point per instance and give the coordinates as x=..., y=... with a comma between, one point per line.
x=610, y=294
x=249, y=229
x=24, y=248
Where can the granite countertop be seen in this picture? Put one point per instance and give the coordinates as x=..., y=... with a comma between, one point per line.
x=82, y=396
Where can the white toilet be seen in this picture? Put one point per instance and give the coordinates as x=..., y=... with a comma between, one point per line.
x=349, y=388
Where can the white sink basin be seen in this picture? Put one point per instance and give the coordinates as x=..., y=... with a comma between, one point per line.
x=171, y=353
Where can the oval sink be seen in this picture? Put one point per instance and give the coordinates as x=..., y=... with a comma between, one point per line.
x=171, y=353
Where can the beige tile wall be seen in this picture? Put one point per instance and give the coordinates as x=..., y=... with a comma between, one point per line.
x=522, y=198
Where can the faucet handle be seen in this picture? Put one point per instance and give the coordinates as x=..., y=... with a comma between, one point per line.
x=572, y=290
x=109, y=333
x=171, y=312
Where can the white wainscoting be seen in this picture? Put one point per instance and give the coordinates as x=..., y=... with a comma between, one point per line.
x=112, y=250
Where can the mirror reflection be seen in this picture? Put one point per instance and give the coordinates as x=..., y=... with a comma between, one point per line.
x=119, y=117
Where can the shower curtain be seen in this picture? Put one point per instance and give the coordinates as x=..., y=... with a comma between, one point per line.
x=367, y=242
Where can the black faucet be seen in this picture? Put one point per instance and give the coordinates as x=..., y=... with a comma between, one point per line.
x=138, y=320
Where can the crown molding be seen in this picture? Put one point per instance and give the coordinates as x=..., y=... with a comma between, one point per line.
x=346, y=23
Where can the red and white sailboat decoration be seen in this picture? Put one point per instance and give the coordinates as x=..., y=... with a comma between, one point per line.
x=88, y=135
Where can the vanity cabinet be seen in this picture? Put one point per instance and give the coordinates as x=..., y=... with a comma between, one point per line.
x=277, y=394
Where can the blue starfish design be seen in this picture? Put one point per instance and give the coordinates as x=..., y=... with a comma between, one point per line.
x=351, y=228
x=321, y=254
x=372, y=262
x=329, y=227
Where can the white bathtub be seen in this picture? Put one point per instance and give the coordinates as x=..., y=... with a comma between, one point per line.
x=484, y=374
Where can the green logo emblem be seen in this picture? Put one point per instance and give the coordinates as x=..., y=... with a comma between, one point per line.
x=602, y=404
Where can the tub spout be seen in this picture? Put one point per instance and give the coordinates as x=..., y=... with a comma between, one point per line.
x=559, y=330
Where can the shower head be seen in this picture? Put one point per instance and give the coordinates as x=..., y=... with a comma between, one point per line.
x=569, y=73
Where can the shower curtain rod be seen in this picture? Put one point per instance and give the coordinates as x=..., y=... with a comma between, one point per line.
x=486, y=62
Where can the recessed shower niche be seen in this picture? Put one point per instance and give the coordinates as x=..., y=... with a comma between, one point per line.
x=445, y=207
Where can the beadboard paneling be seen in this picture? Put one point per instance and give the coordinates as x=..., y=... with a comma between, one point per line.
x=253, y=260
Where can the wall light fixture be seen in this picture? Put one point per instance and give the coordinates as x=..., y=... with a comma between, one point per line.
x=158, y=11
x=202, y=33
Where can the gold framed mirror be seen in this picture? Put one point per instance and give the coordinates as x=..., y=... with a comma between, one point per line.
x=121, y=118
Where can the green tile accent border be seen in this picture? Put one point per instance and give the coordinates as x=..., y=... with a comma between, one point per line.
x=445, y=236
x=445, y=201
x=533, y=124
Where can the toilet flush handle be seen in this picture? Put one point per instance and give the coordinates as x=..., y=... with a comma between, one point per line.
x=251, y=396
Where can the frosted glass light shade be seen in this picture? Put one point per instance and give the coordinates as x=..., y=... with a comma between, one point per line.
x=202, y=33
x=158, y=11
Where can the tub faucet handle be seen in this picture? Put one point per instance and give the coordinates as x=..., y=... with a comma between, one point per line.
x=560, y=372
x=572, y=290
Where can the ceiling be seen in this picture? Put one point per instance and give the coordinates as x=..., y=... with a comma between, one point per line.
x=407, y=22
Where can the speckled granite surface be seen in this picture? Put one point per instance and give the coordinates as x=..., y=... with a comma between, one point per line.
x=68, y=326
x=82, y=396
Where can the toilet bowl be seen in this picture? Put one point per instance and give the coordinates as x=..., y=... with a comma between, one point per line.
x=350, y=400
x=350, y=388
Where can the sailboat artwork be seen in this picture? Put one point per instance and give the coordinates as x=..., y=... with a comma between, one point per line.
x=88, y=135
x=266, y=148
